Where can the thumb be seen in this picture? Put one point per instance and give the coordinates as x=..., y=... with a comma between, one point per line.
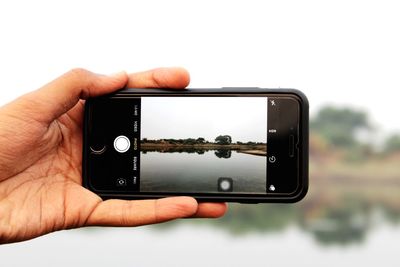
x=57, y=97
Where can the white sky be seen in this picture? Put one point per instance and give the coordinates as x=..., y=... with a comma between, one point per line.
x=342, y=52
x=243, y=118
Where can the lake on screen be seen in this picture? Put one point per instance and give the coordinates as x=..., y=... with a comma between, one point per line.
x=200, y=171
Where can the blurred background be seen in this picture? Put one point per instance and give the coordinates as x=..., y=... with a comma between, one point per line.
x=344, y=55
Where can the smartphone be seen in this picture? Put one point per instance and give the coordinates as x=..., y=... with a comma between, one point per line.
x=247, y=145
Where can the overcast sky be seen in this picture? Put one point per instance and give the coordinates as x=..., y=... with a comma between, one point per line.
x=341, y=52
x=243, y=118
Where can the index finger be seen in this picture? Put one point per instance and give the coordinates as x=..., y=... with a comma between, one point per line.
x=173, y=78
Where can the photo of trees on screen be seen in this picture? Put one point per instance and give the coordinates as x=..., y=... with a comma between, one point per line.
x=222, y=144
x=200, y=124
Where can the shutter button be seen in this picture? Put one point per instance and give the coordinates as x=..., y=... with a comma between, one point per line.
x=122, y=144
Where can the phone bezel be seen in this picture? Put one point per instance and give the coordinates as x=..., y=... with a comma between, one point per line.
x=297, y=195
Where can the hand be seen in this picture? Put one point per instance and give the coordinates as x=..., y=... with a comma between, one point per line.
x=41, y=159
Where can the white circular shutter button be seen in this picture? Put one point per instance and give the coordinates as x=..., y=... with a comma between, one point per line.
x=122, y=143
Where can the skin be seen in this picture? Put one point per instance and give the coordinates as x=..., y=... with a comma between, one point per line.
x=40, y=161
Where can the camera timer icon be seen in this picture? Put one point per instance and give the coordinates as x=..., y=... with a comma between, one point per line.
x=225, y=184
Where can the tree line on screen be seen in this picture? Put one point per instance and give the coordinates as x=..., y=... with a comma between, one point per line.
x=220, y=140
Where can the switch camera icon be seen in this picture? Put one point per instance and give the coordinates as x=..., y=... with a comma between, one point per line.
x=121, y=182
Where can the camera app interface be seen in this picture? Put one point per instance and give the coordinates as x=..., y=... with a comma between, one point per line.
x=185, y=144
x=203, y=144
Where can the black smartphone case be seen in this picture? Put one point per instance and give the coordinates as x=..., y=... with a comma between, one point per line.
x=303, y=138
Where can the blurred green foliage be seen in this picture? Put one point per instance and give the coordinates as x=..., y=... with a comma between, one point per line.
x=392, y=143
x=338, y=128
x=339, y=125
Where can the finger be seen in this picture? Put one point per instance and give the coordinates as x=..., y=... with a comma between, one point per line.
x=139, y=212
x=175, y=78
x=210, y=210
x=59, y=96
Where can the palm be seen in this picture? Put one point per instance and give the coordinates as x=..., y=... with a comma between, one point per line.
x=41, y=159
x=53, y=196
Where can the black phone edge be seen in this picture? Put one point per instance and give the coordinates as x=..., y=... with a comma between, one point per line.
x=304, y=155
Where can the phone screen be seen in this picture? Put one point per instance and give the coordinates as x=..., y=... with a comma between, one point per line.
x=203, y=144
x=178, y=145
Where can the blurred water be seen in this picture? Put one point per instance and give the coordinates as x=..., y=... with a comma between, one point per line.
x=198, y=245
x=350, y=217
